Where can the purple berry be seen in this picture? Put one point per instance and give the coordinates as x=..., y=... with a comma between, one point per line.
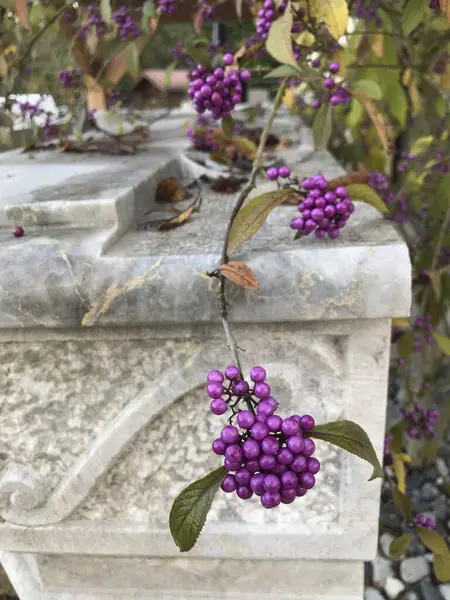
x=272, y=173
x=239, y=387
x=285, y=456
x=334, y=67
x=267, y=462
x=341, y=192
x=307, y=480
x=273, y=422
x=328, y=82
x=231, y=466
x=252, y=466
x=315, y=104
x=299, y=464
x=288, y=496
x=258, y=374
x=265, y=408
x=309, y=448
x=313, y=465
x=230, y=434
x=256, y=483
x=229, y=484
x=245, y=419
x=270, y=500
x=219, y=446
x=215, y=377
x=307, y=422
x=219, y=406
x=232, y=373
x=242, y=476
x=244, y=492
x=228, y=59
x=251, y=449
x=245, y=75
x=289, y=480
x=290, y=427
x=300, y=491
x=234, y=453
x=296, y=444
x=284, y=171
x=270, y=445
x=259, y=431
x=214, y=390
x=271, y=483
x=315, y=63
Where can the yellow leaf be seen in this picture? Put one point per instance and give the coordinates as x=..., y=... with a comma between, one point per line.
x=378, y=45
x=414, y=94
x=288, y=99
x=279, y=42
x=10, y=50
x=333, y=12
x=305, y=39
x=3, y=66
x=399, y=469
x=375, y=117
x=401, y=323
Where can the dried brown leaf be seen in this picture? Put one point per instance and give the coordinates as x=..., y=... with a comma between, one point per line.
x=180, y=219
x=445, y=7
x=348, y=179
x=168, y=190
x=198, y=21
x=245, y=55
x=375, y=117
x=293, y=199
x=22, y=13
x=228, y=185
x=240, y=274
x=283, y=144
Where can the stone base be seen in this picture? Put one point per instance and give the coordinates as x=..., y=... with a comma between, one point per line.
x=71, y=577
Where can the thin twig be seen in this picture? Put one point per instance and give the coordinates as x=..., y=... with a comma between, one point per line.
x=222, y=303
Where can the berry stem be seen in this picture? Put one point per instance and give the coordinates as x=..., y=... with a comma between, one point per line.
x=222, y=302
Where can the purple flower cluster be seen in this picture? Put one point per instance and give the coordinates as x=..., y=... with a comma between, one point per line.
x=70, y=78
x=265, y=454
x=125, y=26
x=423, y=327
x=420, y=421
x=323, y=211
x=215, y=90
x=367, y=10
x=95, y=20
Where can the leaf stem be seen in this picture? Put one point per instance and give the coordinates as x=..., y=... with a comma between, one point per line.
x=222, y=303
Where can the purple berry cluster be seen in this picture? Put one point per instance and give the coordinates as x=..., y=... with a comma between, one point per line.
x=216, y=90
x=206, y=9
x=421, y=422
x=70, y=78
x=423, y=329
x=274, y=172
x=336, y=94
x=422, y=521
x=404, y=163
x=387, y=455
x=166, y=7
x=200, y=134
x=95, y=21
x=323, y=211
x=265, y=454
x=367, y=10
x=266, y=16
x=125, y=26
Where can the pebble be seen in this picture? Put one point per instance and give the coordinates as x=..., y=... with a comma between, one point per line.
x=431, y=474
x=427, y=591
x=390, y=518
x=429, y=492
x=385, y=543
x=416, y=548
x=445, y=591
x=382, y=569
x=411, y=596
x=373, y=594
x=393, y=587
x=414, y=569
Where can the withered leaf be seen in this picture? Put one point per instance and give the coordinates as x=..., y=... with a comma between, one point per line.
x=293, y=199
x=348, y=179
x=108, y=146
x=228, y=185
x=22, y=13
x=283, y=144
x=168, y=190
x=181, y=218
x=240, y=274
x=244, y=55
x=375, y=116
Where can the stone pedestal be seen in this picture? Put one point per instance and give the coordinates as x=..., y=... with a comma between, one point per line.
x=107, y=334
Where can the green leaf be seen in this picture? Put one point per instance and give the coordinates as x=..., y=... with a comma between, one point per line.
x=405, y=344
x=198, y=55
x=322, y=127
x=148, y=11
x=443, y=342
x=402, y=504
x=398, y=547
x=105, y=10
x=360, y=192
x=432, y=540
x=396, y=444
x=352, y=438
x=441, y=566
x=398, y=103
x=282, y=71
x=442, y=199
x=279, y=42
x=228, y=127
x=421, y=145
x=133, y=61
x=190, y=509
x=252, y=217
x=369, y=87
x=413, y=14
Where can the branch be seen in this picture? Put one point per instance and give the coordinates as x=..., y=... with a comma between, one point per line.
x=222, y=303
